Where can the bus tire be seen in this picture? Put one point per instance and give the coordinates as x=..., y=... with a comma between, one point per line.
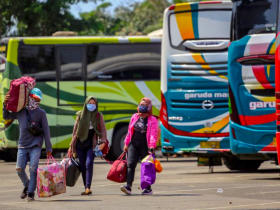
x=10, y=155
x=116, y=147
x=242, y=165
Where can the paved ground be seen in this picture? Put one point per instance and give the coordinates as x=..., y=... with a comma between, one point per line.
x=182, y=185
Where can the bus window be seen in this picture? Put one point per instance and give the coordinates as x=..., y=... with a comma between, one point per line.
x=37, y=61
x=123, y=62
x=211, y=25
x=262, y=15
x=71, y=59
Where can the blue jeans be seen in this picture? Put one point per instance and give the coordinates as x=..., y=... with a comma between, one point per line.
x=32, y=155
x=86, y=158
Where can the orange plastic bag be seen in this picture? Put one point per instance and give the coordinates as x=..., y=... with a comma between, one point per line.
x=158, y=166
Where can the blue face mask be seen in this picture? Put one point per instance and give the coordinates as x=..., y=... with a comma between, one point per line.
x=143, y=109
x=91, y=107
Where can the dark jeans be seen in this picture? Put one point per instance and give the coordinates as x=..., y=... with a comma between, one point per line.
x=135, y=150
x=86, y=158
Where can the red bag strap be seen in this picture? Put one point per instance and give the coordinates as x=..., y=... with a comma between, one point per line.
x=121, y=156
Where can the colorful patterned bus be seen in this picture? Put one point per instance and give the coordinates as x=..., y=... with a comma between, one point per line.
x=194, y=83
x=252, y=83
x=277, y=83
x=119, y=71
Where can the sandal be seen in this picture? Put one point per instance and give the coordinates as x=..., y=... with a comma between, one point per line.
x=87, y=192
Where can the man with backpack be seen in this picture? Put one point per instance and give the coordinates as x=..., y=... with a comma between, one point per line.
x=33, y=129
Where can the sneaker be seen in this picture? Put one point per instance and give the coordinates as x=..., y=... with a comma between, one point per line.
x=147, y=192
x=24, y=193
x=126, y=189
x=30, y=197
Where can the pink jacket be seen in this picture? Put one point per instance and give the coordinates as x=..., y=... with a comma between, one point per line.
x=152, y=130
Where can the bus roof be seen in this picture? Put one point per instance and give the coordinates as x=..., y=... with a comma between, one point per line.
x=84, y=39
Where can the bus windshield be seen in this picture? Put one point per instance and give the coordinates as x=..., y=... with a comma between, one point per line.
x=262, y=14
x=213, y=24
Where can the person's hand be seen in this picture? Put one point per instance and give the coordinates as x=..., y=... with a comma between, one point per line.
x=101, y=146
x=7, y=98
x=49, y=154
x=152, y=150
x=125, y=148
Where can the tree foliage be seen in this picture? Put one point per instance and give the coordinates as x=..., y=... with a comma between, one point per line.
x=44, y=17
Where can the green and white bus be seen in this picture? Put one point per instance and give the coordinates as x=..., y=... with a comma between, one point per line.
x=119, y=71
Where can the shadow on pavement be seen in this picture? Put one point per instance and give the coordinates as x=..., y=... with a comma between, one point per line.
x=267, y=179
x=170, y=195
x=69, y=200
x=261, y=171
x=173, y=160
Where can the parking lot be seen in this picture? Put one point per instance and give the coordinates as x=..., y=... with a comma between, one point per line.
x=182, y=185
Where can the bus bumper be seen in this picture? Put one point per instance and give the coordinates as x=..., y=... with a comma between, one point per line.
x=244, y=140
x=175, y=144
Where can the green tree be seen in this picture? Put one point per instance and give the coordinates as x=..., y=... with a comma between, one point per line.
x=141, y=18
x=37, y=17
x=98, y=21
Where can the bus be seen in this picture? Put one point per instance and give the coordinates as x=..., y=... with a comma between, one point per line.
x=194, y=84
x=119, y=71
x=277, y=83
x=251, y=66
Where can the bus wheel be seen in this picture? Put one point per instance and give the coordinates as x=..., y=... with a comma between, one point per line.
x=10, y=155
x=242, y=165
x=118, y=142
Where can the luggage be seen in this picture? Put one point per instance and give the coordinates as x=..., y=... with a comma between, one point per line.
x=118, y=171
x=72, y=170
x=19, y=92
x=51, y=179
x=148, y=172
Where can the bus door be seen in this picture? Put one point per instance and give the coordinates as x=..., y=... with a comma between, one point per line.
x=71, y=89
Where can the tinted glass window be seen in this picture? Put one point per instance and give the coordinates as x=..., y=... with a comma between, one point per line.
x=254, y=17
x=37, y=61
x=71, y=63
x=111, y=62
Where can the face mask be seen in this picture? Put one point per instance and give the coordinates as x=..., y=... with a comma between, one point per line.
x=143, y=109
x=32, y=104
x=91, y=107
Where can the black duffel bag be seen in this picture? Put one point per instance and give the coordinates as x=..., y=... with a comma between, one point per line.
x=72, y=171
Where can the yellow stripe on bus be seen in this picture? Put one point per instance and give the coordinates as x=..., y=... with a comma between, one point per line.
x=215, y=127
x=272, y=49
x=200, y=60
x=182, y=7
x=184, y=22
x=268, y=70
x=12, y=54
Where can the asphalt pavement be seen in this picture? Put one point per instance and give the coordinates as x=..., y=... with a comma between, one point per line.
x=181, y=185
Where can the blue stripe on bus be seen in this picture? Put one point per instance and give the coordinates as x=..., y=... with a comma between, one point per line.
x=195, y=20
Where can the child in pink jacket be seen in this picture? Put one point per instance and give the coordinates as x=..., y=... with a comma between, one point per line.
x=140, y=139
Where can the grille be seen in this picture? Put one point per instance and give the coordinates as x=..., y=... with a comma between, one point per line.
x=197, y=104
x=196, y=69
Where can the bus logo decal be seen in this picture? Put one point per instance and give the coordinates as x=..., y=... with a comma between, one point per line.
x=207, y=104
